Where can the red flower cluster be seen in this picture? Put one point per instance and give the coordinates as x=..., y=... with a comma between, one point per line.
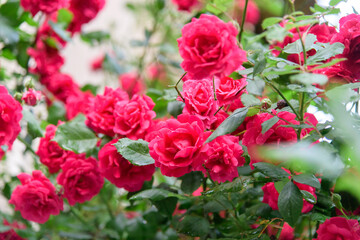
x=10, y=116
x=186, y=5
x=45, y=6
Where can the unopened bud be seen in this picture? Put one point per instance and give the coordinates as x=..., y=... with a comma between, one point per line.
x=281, y=104
x=29, y=84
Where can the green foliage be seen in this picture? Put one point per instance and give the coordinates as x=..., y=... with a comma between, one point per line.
x=136, y=152
x=290, y=203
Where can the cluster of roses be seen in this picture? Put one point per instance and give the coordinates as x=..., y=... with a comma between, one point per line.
x=46, y=50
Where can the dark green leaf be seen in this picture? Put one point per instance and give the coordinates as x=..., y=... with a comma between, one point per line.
x=249, y=100
x=136, y=152
x=281, y=184
x=309, y=78
x=166, y=206
x=290, y=203
x=265, y=126
x=327, y=52
x=234, y=186
x=230, y=124
x=308, y=196
x=260, y=65
x=155, y=194
x=33, y=125
x=270, y=21
x=194, y=226
x=75, y=136
x=271, y=170
x=175, y=108
x=308, y=179
x=56, y=112
x=191, y=181
x=73, y=235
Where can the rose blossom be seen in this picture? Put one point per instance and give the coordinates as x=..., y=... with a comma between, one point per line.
x=209, y=48
x=186, y=5
x=79, y=103
x=120, y=171
x=10, y=116
x=80, y=178
x=84, y=11
x=339, y=228
x=133, y=118
x=222, y=158
x=199, y=100
x=349, y=35
x=97, y=63
x=287, y=232
x=46, y=6
x=36, y=198
x=31, y=97
x=61, y=85
x=100, y=116
x=177, y=145
x=271, y=195
x=228, y=89
x=49, y=152
x=11, y=234
x=132, y=83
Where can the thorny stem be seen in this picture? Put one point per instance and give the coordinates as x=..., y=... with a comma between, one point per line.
x=243, y=20
x=218, y=110
x=176, y=88
x=280, y=229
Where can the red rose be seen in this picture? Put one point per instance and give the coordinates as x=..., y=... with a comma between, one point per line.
x=61, y=85
x=79, y=103
x=339, y=228
x=120, y=171
x=97, y=63
x=132, y=83
x=177, y=145
x=80, y=178
x=271, y=195
x=228, y=89
x=199, y=100
x=45, y=6
x=349, y=35
x=133, y=118
x=84, y=11
x=31, y=97
x=186, y=5
x=100, y=116
x=220, y=117
x=222, y=158
x=11, y=234
x=50, y=153
x=36, y=198
x=10, y=116
x=209, y=48
x=287, y=232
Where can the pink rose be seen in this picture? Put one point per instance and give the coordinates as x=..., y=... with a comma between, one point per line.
x=209, y=48
x=133, y=118
x=45, y=6
x=61, y=85
x=156, y=71
x=222, y=158
x=132, y=83
x=84, y=11
x=10, y=116
x=177, y=145
x=120, y=171
x=79, y=103
x=339, y=228
x=349, y=35
x=100, y=116
x=47, y=59
x=50, y=153
x=271, y=195
x=36, y=198
x=97, y=63
x=31, y=97
x=80, y=178
x=186, y=5
x=199, y=100
x=228, y=89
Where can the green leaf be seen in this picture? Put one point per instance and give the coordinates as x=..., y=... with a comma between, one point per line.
x=281, y=184
x=95, y=37
x=230, y=124
x=217, y=204
x=73, y=235
x=334, y=2
x=110, y=64
x=64, y=16
x=250, y=100
x=191, y=182
x=265, y=126
x=194, y=226
x=59, y=29
x=234, y=186
x=75, y=136
x=155, y=194
x=166, y=206
x=308, y=197
x=270, y=21
x=175, y=108
x=309, y=78
x=56, y=112
x=33, y=125
x=308, y=179
x=296, y=47
x=260, y=65
x=290, y=203
x=271, y=170
x=327, y=52
x=136, y=152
